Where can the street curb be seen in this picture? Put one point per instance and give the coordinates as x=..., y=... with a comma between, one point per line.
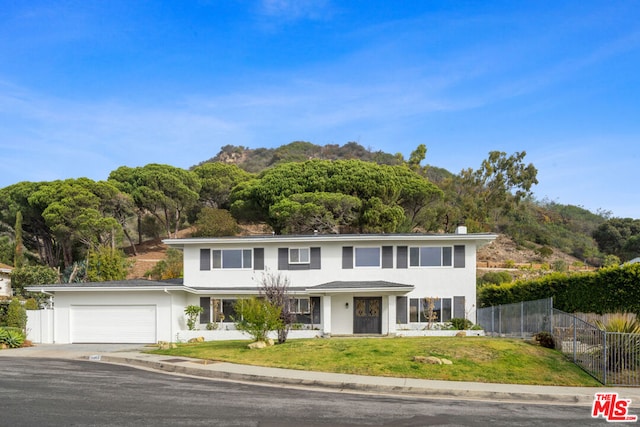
x=527, y=397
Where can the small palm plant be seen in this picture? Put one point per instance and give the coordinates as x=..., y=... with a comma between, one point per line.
x=192, y=312
x=622, y=342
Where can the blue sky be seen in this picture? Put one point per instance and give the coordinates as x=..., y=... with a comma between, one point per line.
x=88, y=86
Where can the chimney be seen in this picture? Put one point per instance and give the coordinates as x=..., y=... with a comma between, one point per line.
x=461, y=229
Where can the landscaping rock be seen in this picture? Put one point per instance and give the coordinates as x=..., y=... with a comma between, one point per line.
x=429, y=360
x=164, y=345
x=461, y=334
x=257, y=344
x=432, y=360
x=197, y=339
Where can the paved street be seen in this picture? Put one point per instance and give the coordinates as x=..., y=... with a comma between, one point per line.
x=52, y=392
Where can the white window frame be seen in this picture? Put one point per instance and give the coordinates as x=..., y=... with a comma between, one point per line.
x=295, y=305
x=430, y=266
x=299, y=251
x=421, y=308
x=355, y=256
x=242, y=259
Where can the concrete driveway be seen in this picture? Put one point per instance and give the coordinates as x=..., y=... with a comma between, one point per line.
x=69, y=351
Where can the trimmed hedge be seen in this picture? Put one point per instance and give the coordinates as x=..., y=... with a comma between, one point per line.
x=608, y=290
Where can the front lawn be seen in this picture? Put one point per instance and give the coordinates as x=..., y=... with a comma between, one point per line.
x=479, y=359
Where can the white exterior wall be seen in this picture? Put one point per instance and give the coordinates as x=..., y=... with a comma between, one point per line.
x=442, y=282
x=169, y=309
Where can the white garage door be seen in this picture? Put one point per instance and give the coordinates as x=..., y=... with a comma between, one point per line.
x=113, y=324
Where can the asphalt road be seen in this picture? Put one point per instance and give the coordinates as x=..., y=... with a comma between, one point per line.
x=51, y=392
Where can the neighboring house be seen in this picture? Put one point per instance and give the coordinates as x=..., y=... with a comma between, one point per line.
x=339, y=285
x=5, y=280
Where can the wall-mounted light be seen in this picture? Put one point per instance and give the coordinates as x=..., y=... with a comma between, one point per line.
x=346, y=305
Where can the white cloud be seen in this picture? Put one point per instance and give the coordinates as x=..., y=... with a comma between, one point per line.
x=293, y=10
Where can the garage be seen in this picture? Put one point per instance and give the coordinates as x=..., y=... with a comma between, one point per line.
x=113, y=323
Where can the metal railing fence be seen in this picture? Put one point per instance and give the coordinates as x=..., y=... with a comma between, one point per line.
x=613, y=358
x=518, y=320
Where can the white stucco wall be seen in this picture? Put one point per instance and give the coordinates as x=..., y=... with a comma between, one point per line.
x=442, y=282
x=169, y=309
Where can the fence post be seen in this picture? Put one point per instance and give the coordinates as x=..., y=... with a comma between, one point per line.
x=500, y=320
x=604, y=368
x=522, y=319
x=551, y=315
x=493, y=320
x=575, y=340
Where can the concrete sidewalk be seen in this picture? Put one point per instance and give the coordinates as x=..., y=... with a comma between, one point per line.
x=133, y=356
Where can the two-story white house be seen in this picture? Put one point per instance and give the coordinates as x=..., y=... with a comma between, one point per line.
x=339, y=285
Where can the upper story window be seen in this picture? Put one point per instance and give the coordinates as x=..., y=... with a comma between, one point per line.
x=299, y=256
x=367, y=257
x=232, y=258
x=430, y=256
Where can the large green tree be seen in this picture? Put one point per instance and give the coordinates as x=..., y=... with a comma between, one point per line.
x=61, y=219
x=217, y=180
x=164, y=191
x=309, y=212
x=274, y=192
x=480, y=197
x=620, y=237
x=76, y=214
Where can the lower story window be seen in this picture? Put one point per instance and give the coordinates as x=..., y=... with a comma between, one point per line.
x=306, y=310
x=423, y=310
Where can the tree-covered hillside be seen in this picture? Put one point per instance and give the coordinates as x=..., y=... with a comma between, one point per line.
x=296, y=188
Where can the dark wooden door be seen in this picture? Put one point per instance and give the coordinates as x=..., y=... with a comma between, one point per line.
x=367, y=315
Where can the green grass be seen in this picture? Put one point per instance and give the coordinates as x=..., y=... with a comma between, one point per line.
x=480, y=359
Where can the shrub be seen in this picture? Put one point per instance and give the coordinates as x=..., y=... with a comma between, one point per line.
x=459, y=323
x=544, y=251
x=608, y=290
x=560, y=265
x=622, y=350
x=192, y=312
x=31, y=304
x=16, y=315
x=625, y=323
x=169, y=268
x=495, y=277
x=257, y=317
x=12, y=337
x=215, y=223
x=545, y=339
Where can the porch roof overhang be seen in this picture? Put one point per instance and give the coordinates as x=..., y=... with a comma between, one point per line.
x=353, y=287
x=238, y=290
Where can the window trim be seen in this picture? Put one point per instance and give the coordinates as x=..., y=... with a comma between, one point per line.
x=295, y=305
x=299, y=249
x=243, y=258
x=439, y=307
x=442, y=257
x=355, y=257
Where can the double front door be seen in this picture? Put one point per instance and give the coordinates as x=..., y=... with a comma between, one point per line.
x=367, y=315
